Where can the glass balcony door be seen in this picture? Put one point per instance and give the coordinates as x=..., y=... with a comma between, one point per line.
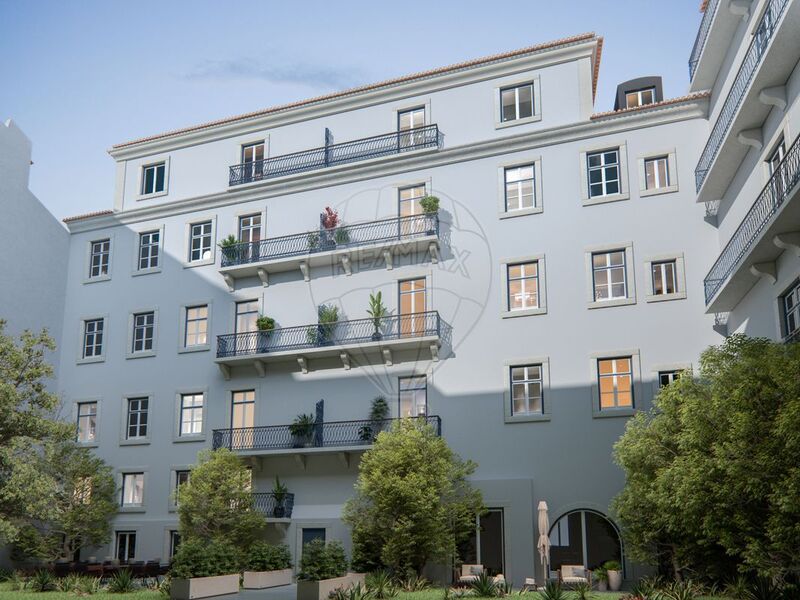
x=412, y=307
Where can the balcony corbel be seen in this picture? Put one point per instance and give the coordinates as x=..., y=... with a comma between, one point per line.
x=345, y=260
x=301, y=360
x=225, y=370
x=344, y=458
x=788, y=241
x=387, y=357
x=765, y=270
x=751, y=137
x=740, y=8
x=345, y=360
x=304, y=269
x=263, y=276
x=387, y=257
x=773, y=96
x=261, y=367
x=229, y=281
x=433, y=248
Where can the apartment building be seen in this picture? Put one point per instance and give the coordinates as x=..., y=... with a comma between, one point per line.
x=747, y=54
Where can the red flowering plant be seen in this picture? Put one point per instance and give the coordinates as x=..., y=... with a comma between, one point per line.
x=330, y=218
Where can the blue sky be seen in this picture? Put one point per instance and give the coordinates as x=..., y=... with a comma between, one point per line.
x=80, y=76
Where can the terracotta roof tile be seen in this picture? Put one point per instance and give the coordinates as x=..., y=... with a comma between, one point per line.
x=667, y=102
x=98, y=213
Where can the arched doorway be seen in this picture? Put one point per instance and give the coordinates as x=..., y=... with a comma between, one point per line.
x=584, y=537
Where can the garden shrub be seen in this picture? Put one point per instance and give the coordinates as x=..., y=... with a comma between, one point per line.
x=200, y=558
x=268, y=557
x=322, y=561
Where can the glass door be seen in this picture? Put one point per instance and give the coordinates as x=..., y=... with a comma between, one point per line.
x=242, y=416
x=412, y=307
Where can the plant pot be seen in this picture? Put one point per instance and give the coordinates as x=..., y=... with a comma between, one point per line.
x=377, y=336
x=263, y=341
x=258, y=580
x=204, y=587
x=615, y=580
x=321, y=590
x=301, y=441
x=602, y=586
x=279, y=512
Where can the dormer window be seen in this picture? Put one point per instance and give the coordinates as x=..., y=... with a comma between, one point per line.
x=640, y=97
x=154, y=178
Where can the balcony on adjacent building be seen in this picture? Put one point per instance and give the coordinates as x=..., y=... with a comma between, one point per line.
x=383, y=239
x=702, y=35
x=332, y=155
x=771, y=226
x=344, y=343
x=271, y=506
x=759, y=85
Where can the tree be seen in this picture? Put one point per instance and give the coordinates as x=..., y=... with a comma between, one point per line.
x=217, y=502
x=27, y=412
x=712, y=471
x=81, y=508
x=413, y=503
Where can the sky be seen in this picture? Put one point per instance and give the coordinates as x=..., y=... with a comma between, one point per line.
x=79, y=76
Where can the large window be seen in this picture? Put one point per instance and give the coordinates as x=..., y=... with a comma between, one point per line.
x=253, y=161
x=608, y=275
x=603, y=168
x=409, y=198
x=137, y=418
x=664, y=277
x=667, y=377
x=516, y=102
x=526, y=389
x=191, y=413
x=412, y=307
x=99, y=255
x=615, y=380
x=126, y=546
x=791, y=312
x=174, y=542
x=246, y=316
x=93, y=338
x=523, y=286
x=132, y=489
x=148, y=249
x=413, y=396
x=243, y=408
x=407, y=122
x=519, y=188
x=154, y=178
x=640, y=97
x=143, y=330
x=181, y=478
x=656, y=172
x=196, y=326
x=87, y=422
x=200, y=241
x=250, y=228
x=584, y=537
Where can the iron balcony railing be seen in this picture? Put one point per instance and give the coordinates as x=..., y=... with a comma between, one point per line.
x=331, y=155
x=702, y=35
x=272, y=506
x=331, y=434
x=772, y=196
x=755, y=52
x=344, y=236
x=304, y=337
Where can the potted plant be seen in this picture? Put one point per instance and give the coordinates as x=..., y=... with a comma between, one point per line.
x=267, y=566
x=600, y=575
x=377, y=416
x=229, y=247
x=430, y=207
x=377, y=311
x=327, y=317
x=302, y=430
x=323, y=570
x=203, y=568
x=329, y=219
x=614, y=570
x=279, y=493
x=265, y=325
x=341, y=236
x=313, y=241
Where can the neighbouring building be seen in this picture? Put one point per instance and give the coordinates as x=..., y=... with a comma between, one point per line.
x=560, y=285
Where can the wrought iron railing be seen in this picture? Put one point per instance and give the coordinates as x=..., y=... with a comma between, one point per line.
x=344, y=236
x=772, y=196
x=329, y=434
x=269, y=504
x=755, y=52
x=331, y=155
x=702, y=35
x=303, y=337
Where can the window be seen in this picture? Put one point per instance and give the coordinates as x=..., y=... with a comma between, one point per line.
x=132, y=489
x=99, y=255
x=664, y=277
x=250, y=228
x=82, y=492
x=656, y=172
x=137, y=418
x=153, y=178
x=148, y=249
x=309, y=534
x=526, y=390
x=413, y=396
x=667, y=377
x=181, y=478
x=409, y=200
x=126, y=546
x=242, y=409
x=191, y=410
x=791, y=312
x=253, y=161
x=523, y=286
x=603, y=168
x=174, y=542
x=408, y=121
x=200, y=241
x=87, y=422
x=412, y=307
x=516, y=102
x=143, y=329
x=608, y=274
x=93, y=338
x=519, y=188
x=196, y=329
x=776, y=157
x=640, y=97
x=246, y=316
x=615, y=379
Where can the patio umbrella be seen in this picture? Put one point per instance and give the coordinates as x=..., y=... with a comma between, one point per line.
x=544, y=539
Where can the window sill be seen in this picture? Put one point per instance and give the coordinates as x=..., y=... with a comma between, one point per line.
x=610, y=303
x=146, y=272
x=537, y=418
x=135, y=442
x=133, y=355
x=605, y=199
x=132, y=509
x=190, y=349
x=610, y=413
x=93, y=359
x=658, y=191
x=510, y=214
x=526, y=312
x=666, y=297
x=97, y=279
x=149, y=196
x=182, y=439
x=198, y=263
x=515, y=122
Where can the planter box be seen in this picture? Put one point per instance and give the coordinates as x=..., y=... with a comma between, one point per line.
x=320, y=590
x=615, y=580
x=256, y=580
x=204, y=587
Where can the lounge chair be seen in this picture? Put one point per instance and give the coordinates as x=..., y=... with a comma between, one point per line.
x=570, y=574
x=469, y=573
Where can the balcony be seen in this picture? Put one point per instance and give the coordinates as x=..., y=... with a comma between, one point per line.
x=702, y=36
x=384, y=239
x=268, y=505
x=769, y=227
x=758, y=85
x=331, y=436
x=332, y=155
x=347, y=343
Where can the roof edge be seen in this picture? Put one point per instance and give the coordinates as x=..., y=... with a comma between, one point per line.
x=645, y=107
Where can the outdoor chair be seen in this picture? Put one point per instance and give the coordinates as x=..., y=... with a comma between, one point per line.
x=469, y=573
x=574, y=574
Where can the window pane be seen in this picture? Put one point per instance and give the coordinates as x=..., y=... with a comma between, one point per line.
x=508, y=100
x=525, y=101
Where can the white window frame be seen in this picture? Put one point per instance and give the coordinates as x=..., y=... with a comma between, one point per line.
x=140, y=195
x=545, y=415
x=129, y=352
x=792, y=290
x=638, y=93
x=624, y=193
x=125, y=440
x=87, y=277
x=138, y=232
x=538, y=206
x=636, y=383
x=630, y=283
x=535, y=82
x=76, y=416
x=140, y=507
x=172, y=506
x=672, y=173
x=176, y=430
x=126, y=532
x=81, y=333
x=400, y=390
x=182, y=316
x=505, y=312
x=187, y=245
x=680, y=277
x=659, y=368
